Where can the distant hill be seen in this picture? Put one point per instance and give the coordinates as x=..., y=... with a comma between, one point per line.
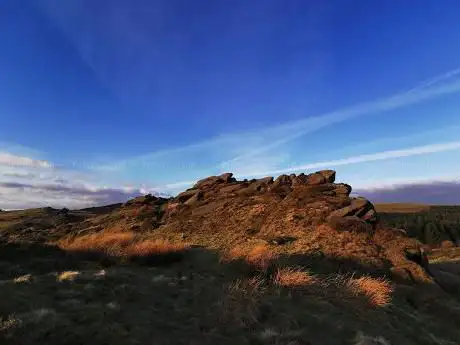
x=432, y=225
x=401, y=208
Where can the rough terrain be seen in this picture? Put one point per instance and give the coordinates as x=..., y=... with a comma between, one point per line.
x=291, y=260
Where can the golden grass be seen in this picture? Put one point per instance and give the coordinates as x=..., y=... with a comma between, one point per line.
x=100, y=242
x=377, y=290
x=259, y=256
x=123, y=245
x=23, y=279
x=67, y=276
x=293, y=277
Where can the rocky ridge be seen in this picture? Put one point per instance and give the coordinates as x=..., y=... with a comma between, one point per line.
x=294, y=214
x=309, y=199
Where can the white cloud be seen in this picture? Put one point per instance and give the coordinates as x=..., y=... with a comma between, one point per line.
x=9, y=159
x=26, y=182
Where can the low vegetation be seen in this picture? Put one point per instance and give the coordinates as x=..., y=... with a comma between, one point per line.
x=124, y=246
x=228, y=262
x=431, y=225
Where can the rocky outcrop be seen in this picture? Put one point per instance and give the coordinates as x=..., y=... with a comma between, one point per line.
x=315, y=197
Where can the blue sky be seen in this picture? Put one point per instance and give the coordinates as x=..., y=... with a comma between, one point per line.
x=100, y=100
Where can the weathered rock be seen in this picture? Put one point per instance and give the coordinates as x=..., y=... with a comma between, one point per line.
x=370, y=216
x=315, y=179
x=358, y=207
x=316, y=189
x=213, y=180
x=300, y=179
x=283, y=179
x=282, y=185
x=184, y=196
x=256, y=186
x=343, y=188
x=350, y=223
x=329, y=175
x=227, y=177
x=198, y=196
x=232, y=188
x=261, y=185
x=142, y=200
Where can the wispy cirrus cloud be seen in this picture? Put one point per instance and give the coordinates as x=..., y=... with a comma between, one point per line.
x=127, y=63
x=378, y=156
x=435, y=87
x=270, y=149
x=248, y=154
x=352, y=160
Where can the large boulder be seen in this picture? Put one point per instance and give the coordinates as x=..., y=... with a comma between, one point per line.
x=315, y=179
x=282, y=185
x=358, y=207
x=213, y=180
x=350, y=223
x=329, y=175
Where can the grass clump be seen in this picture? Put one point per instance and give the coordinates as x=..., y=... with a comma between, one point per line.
x=377, y=290
x=292, y=277
x=125, y=246
x=259, y=257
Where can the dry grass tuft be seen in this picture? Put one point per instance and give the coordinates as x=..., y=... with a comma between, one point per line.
x=259, y=257
x=124, y=245
x=23, y=279
x=377, y=290
x=67, y=276
x=107, y=242
x=9, y=324
x=293, y=277
x=241, y=302
x=153, y=247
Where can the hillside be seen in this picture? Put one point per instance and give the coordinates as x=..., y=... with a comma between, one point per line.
x=435, y=226
x=291, y=260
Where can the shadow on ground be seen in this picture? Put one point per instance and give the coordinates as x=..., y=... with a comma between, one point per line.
x=53, y=297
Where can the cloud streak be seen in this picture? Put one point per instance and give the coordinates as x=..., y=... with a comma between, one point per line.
x=390, y=154
x=333, y=164
x=418, y=94
x=9, y=159
x=267, y=149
